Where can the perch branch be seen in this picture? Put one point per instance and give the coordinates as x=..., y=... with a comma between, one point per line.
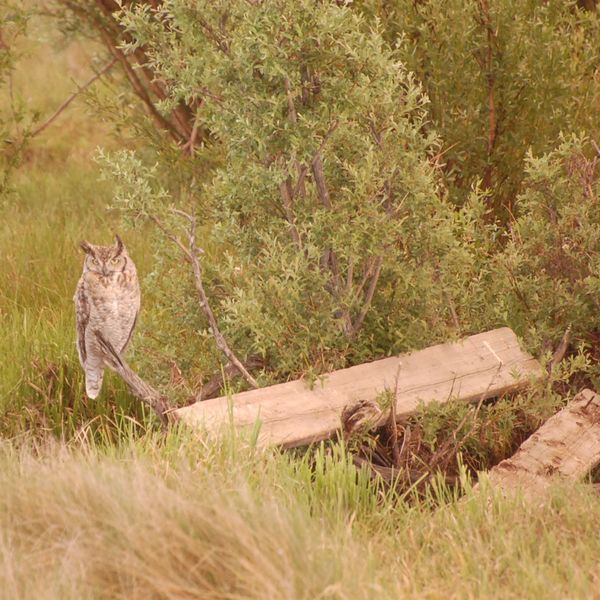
x=139, y=388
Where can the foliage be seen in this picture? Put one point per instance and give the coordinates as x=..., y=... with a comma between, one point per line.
x=502, y=77
x=123, y=512
x=97, y=18
x=14, y=23
x=335, y=242
x=548, y=271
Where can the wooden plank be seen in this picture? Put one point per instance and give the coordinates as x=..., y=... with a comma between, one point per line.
x=293, y=414
x=567, y=445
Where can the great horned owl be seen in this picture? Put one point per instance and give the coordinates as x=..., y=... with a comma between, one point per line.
x=107, y=300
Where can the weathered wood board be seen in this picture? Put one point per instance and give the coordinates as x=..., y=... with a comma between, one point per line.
x=292, y=414
x=567, y=445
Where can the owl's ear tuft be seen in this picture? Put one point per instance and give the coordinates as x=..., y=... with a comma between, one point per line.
x=86, y=247
x=119, y=244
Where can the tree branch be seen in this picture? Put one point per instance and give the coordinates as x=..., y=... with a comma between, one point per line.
x=492, y=123
x=192, y=254
x=139, y=388
x=368, y=297
x=72, y=97
x=172, y=237
x=392, y=419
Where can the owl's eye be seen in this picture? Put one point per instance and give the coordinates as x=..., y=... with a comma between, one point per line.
x=114, y=261
x=95, y=262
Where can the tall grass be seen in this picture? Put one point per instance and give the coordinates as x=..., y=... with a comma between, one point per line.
x=179, y=519
x=41, y=383
x=57, y=200
x=107, y=508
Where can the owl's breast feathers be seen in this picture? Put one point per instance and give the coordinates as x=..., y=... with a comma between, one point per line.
x=109, y=305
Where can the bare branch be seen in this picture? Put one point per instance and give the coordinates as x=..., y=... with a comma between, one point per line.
x=368, y=297
x=211, y=388
x=393, y=426
x=72, y=97
x=172, y=237
x=560, y=352
x=205, y=306
x=319, y=177
x=299, y=189
x=350, y=275
x=139, y=388
x=285, y=190
x=486, y=21
x=139, y=88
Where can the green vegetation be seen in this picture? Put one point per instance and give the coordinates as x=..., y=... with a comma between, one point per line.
x=386, y=107
x=173, y=518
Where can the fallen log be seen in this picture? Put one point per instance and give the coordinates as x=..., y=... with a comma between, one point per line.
x=567, y=446
x=292, y=414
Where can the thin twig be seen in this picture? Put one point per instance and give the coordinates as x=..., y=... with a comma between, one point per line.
x=205, y=306
x=72, y=97
x=560, y=352
x=211, y=388
x=453, y=437
x=171, y=236
x=191, y=254
x=368, y=298
x=392, y=419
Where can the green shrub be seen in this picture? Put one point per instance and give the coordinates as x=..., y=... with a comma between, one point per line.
x=330, y=237
x=503, y=77
x=548, y=273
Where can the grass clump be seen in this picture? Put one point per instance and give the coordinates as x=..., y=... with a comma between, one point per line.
x=179, y=519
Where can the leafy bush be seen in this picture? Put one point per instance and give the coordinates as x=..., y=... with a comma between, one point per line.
x=335, y=227
x=503, y=77
x=548, y=271
x=331, y=238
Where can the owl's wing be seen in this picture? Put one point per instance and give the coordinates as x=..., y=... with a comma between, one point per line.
x=82, y=318
x=130, y=333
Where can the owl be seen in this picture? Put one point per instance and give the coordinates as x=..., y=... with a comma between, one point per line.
x=107, y=300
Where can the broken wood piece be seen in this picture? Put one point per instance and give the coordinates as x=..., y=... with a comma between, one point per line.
x=567, y=446
x=292, y=414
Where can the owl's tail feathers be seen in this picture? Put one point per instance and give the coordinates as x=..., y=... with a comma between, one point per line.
x=93, y=381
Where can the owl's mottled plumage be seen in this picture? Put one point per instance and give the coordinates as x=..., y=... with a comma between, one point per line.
x=107, y=299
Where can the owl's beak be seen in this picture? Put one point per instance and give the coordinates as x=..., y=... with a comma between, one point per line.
x=104, y=271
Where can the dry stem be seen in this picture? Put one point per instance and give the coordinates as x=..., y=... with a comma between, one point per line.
x=72, y=97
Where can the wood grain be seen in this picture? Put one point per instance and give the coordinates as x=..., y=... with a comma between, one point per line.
x=567, y=445
x=292, y=414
